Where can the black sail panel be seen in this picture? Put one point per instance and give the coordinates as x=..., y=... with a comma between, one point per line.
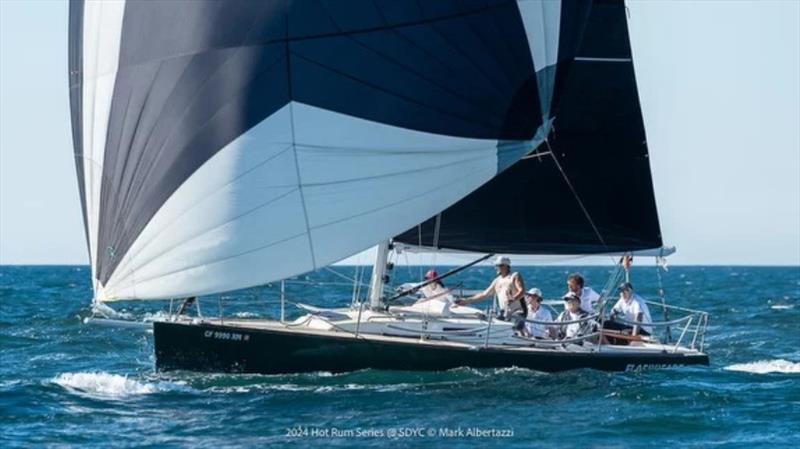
x=599, y=142
x=75, y=58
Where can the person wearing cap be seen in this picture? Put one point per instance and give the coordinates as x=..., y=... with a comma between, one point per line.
x=435, y=289
x=509, y=288
x=574, y=312
x=631, y=307
x=533, y=299
x=589, y=298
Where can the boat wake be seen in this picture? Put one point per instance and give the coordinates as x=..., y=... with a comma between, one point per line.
x=766, y=367
x=106, y=385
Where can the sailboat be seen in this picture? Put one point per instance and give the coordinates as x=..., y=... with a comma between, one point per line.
x=224, y=145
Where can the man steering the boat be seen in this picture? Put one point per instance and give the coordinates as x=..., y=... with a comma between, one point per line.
x=509, y=288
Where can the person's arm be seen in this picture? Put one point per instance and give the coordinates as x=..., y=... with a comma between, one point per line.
x=638, y=314
x=617, y=309
x=519, y=285
x=477, y=296
x=552, y=332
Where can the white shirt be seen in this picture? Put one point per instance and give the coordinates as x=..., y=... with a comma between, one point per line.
x=436, y=290
x=437, y=300
x=631, y=308
x=589, y=299
x=573, y=329
x=538, y=330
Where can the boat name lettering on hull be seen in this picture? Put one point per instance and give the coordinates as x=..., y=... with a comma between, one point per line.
x=222, y=335
x=649, y=366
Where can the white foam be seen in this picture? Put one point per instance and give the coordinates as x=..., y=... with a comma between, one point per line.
x=103, y=384
x=767, y=366
x=782, y=306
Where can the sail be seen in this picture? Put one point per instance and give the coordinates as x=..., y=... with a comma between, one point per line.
x=221, y=145
x=603, y=201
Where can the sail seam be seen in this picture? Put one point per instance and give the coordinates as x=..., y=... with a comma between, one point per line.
x=294, y=147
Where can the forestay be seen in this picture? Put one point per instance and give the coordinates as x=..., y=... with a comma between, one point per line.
x=221, y=145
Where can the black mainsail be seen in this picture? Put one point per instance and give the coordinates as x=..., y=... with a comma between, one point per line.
x=603, y=201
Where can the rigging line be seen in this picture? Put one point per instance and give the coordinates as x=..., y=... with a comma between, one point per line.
x=343, y=276
x=575, y=194
x=438, y=278
x=536, y=155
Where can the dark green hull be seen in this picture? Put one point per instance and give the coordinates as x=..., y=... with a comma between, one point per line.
x=218, y=348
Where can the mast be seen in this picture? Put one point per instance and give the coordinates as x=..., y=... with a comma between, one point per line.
x=379, y=276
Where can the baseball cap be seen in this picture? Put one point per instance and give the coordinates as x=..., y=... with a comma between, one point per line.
x=626, y=286
x=534, y=292
x=502, y=260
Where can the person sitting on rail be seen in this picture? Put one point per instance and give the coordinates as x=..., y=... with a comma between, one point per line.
x=631, y=307
x=435, y=289
x=589, y=298
x=533, y=299
x=573, y=312
x=509, y=288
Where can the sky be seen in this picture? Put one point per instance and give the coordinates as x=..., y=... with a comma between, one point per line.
x=719, y=83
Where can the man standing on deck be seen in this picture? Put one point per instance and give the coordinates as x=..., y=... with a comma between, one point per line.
x=509, y=288
x=589, y=298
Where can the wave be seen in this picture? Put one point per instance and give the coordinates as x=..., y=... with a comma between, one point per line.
x=782, y=306
x=106, y=385
x=767, y=366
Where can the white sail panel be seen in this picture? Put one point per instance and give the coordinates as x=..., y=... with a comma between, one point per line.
x=542, y=27
x=263, y=209
x=102, y=31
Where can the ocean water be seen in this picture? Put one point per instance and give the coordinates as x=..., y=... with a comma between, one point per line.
x=67, y=384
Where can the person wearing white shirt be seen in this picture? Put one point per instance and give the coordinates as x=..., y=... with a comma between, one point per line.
x=573, y=312
x=589, y=298
x=437, y=299
x=533, y=298
x=631, y=307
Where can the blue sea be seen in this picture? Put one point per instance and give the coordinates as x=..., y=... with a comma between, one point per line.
x=67, y=384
